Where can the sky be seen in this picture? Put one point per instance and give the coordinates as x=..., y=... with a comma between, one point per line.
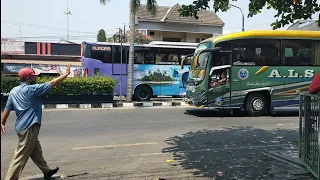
x=45, y=20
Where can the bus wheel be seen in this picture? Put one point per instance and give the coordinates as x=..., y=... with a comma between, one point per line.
x=143, y=93
x=256, y=104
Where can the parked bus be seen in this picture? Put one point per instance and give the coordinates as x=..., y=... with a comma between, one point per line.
x=156, y=67
x=253, y=70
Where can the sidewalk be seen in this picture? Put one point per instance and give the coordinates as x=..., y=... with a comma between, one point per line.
x=117, y=105
x=288, y=166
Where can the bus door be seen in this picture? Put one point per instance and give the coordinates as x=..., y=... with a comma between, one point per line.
x=119, y=67
x=219, y=87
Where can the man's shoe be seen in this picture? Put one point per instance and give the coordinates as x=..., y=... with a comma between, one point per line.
x=48, y=175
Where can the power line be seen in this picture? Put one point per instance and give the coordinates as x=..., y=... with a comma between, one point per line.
x=54, y=36
x=37, y=26
x=46, y=27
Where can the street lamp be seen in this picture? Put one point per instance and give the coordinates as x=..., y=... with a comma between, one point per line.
x=241, y=13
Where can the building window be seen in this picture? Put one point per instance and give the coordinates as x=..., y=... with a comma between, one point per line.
x=143, y=31
x=151, y=33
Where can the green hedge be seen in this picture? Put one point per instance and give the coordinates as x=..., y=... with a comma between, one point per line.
x=70, y=86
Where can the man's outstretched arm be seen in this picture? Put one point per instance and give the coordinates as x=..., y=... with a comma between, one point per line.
x=59, y=79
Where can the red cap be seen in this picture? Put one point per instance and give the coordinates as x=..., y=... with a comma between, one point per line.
x=26, y=72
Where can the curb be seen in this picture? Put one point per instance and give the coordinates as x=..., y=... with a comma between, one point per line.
x=114, y=105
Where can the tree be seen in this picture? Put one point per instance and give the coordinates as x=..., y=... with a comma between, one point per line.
x=101, y=37
x=288, y=10
x=133, y=5
x=110, y=39
x=140, y=38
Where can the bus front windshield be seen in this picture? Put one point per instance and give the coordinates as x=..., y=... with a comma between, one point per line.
x=198, y=72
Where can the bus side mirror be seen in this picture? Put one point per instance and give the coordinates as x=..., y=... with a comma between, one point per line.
x=182, y=63
x=196, y=61
x=185, y=59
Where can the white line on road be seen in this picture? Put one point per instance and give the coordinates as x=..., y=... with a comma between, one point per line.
x=287, y=124
x=173, y=121
x=116, y=145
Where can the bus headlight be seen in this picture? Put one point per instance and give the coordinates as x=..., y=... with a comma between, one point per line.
x=191, y=88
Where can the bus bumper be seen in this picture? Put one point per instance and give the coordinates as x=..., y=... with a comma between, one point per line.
x=187, y=101
x=191, y=103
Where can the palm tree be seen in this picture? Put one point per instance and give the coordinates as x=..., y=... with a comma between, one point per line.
x=134, y=4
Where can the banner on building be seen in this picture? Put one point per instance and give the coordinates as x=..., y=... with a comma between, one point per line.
x=12, y=47
x=44, y=69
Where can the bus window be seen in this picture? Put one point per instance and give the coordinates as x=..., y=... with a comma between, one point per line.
x=202, y=60
x=297, y=53
x=138, y=57
x=188, y=61
x=102, y=53
x=117, y=54
x=256, y=52
x=96, y=71
x=167, y=56
x=173, y=57
x=316, y=52
x=143, y=55
x=149, y=57
x=220, y=60
x=225, y=45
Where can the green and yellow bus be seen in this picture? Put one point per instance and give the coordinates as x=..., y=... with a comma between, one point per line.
x=253, y=70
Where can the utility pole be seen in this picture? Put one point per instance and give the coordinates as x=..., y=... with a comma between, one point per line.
x=20, y=33
x=119, y=35
x=124, y=33
x=121, y=55
x=68, y=13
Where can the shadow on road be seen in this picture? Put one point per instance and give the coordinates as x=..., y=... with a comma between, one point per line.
x=216, y=113
x=230, y=153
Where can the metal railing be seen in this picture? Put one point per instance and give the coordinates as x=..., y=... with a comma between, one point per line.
x=309, y=137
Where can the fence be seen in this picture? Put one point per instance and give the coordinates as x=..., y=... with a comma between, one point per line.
x=309, y=137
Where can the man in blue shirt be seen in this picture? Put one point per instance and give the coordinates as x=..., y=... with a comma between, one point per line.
x=25, y=100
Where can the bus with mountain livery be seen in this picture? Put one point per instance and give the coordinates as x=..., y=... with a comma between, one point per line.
x=156, y=66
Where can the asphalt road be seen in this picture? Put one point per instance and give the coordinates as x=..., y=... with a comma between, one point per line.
x=152, y=143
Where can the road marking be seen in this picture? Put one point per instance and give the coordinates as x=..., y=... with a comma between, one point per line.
x=290, y=124
x=171, y=121
x=149, y=154
x=116, y=145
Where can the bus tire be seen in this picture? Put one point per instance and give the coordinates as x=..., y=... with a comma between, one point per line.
x=256, y=104
x=143, y=93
